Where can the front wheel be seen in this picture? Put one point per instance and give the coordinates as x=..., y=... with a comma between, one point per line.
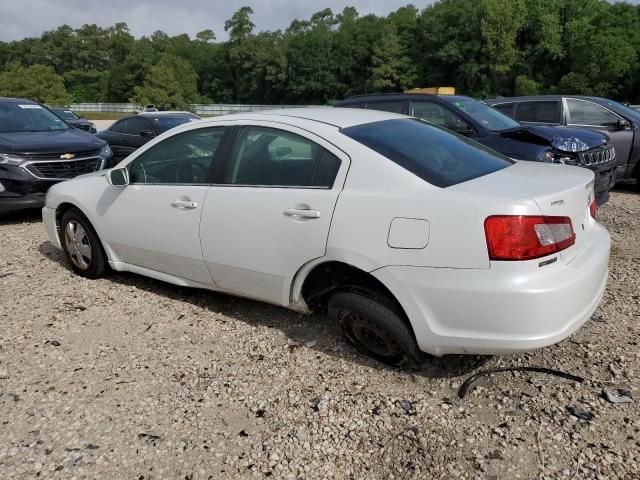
x=81, y=245
x=375, y=328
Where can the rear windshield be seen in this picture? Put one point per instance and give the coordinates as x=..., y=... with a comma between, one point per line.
x=66, y=114
x=165, y=123
x=435, y=154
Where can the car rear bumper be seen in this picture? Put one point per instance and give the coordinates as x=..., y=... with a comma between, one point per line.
x=508, y=308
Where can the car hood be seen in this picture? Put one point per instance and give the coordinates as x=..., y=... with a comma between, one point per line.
x=67, y=141
x=560, y=138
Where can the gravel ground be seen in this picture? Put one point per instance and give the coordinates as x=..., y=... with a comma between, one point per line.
x=128, y=377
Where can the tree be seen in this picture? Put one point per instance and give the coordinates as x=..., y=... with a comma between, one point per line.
x=170, y=84
x=37, y=82
x=391, y=69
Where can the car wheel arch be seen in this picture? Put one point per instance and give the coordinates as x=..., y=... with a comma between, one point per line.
x=65, y=206
x=327, y=277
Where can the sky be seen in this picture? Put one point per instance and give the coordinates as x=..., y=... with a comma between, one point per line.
x=29, y=18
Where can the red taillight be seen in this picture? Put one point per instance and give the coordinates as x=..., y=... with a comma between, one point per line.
x=519, y=237
x=593, y=208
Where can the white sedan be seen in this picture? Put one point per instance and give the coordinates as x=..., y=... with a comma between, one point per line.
x=410, y=236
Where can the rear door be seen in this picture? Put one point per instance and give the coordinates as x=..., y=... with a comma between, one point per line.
x=270, y=210
x=590, y=115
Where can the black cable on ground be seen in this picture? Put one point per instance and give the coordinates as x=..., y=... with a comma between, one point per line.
x=468, y=383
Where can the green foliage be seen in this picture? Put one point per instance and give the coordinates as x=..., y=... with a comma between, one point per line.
x=481, y=47
x=37, y=82
x=170, y=84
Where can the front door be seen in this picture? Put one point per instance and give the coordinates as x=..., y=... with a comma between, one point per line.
x=270, y=210
x=586, y=114
x=154, y=221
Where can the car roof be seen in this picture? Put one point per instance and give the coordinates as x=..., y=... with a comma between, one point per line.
x=24, y=101
x=337, y=117
x=401, y=96
x=529, y=98
x=166, y=112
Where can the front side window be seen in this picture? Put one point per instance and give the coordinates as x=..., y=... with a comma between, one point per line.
x=136, y=125
x=28, y=117
x=181, y=159
x=539, y=112
x=582, y=112
x=434, y=154
x=271, y=157
x=441, y=116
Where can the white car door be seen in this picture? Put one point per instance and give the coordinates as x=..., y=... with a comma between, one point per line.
x=154, y=221
x=270, y=210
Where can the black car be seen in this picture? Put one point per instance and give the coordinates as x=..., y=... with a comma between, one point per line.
x=618, y=121
x=74, y=120
x=482, y=123
x=38, y=149
x=130, y=133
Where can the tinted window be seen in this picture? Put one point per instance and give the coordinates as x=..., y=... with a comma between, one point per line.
x=436, y=155
x=505, y=108
x=587, y=113
x=393, y=107
x=440, y=115
x=28, y=117
x=167, y=122
x=184, y=158
x=118, y=127
x=266, y=156
x=66, y=114
x=541, y=112
x=482, y=113
x=136, y=125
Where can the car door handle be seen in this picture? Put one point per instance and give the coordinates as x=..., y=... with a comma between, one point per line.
x=302, y=213
x=186, y=204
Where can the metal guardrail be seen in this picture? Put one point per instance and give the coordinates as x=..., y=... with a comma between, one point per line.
x=212, y=109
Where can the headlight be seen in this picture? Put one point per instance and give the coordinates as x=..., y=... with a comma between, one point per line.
x=569, y=144
x=8, y=159
x=105, y=151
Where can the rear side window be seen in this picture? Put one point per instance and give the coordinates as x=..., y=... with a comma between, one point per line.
x=539, y=112
x=505, y=108
x=272, y=157
x=390, y=106
x=434, y=154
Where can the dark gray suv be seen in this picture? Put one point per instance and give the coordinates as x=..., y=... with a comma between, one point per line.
x=619, y=122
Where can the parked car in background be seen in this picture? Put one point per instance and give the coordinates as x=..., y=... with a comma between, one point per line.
x=476, y=120
x=412, y=237
x=618, y=121
x=39, y=149
x=130, y=133
x=150, y=108
x=74, y=120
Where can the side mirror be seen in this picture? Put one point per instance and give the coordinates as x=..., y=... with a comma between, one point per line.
x=118, y=177
x=283, y=153
x=623, y=124
x=147, y=133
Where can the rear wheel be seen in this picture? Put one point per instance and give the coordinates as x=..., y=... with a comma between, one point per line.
x=375, y=327
x=81, y=245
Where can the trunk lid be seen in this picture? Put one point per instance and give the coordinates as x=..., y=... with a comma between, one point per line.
x=557, y=190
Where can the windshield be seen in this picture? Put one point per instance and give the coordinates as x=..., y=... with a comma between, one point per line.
x=165, y=123
x=482, y=113
x=16, y=117
x=66, y=114
x=433, y=153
